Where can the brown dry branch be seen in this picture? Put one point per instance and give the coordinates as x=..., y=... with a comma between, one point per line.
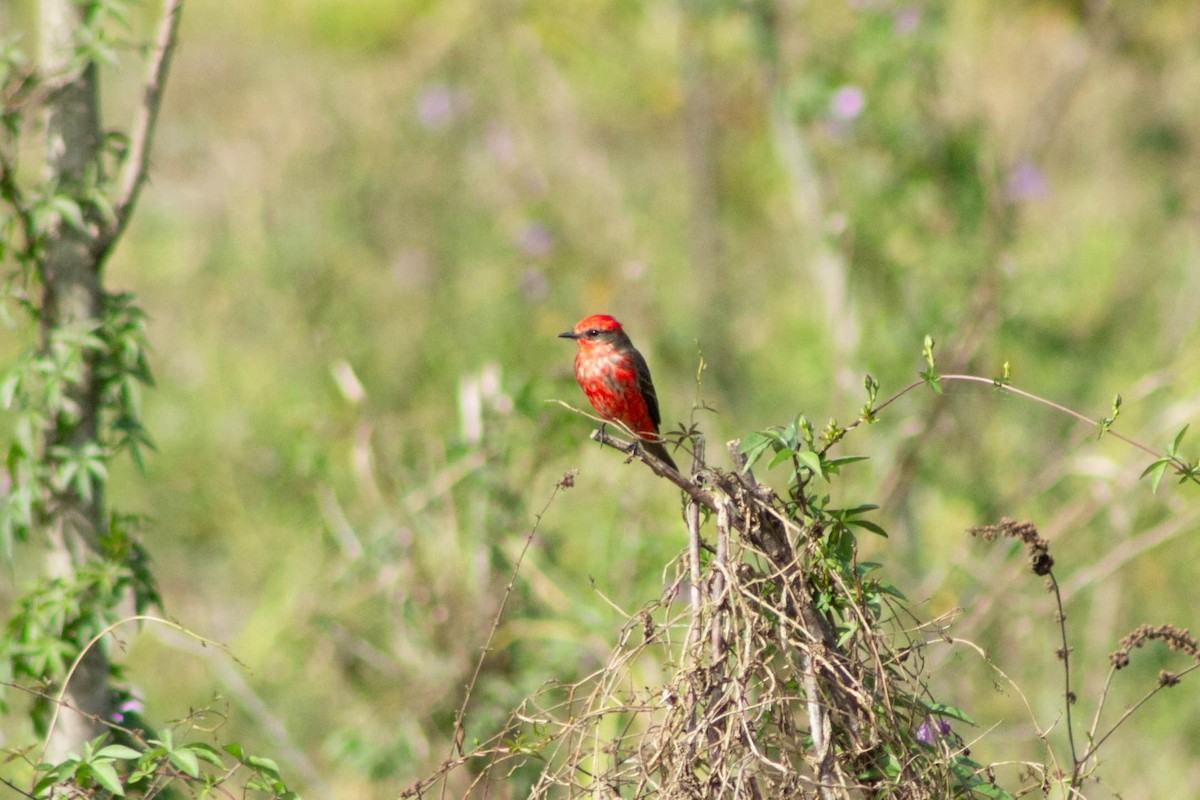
x=1176, y=639
x=781, y=681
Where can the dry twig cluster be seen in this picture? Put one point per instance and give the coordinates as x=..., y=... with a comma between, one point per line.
x=787, y=678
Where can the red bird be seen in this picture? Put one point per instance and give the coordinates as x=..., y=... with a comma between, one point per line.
x=616, y=380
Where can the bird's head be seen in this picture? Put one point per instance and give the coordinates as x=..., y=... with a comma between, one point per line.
x=598, y=329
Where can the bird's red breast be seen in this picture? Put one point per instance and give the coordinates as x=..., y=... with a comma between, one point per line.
x=616, y=379
x=613, y=374
x=609, y=377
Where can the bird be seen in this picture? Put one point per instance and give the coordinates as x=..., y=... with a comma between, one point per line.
x=616, y=380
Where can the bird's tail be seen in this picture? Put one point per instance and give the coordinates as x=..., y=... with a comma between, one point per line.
x=660, y=452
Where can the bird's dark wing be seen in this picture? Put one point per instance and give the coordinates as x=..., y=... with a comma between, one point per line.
x=646, y=386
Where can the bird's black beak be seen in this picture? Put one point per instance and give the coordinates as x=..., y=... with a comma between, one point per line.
x=568, y=335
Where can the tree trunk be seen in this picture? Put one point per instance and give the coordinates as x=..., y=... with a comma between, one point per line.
x=71, y=300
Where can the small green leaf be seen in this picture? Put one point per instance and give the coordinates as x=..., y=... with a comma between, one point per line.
x=780, y=457
x=205, y=752
x=811, y=461
x=991, y=790
x=753, y=446
x=9, y=388
x=943, y=710
x=70, y=212
x=264, y=765
x=107, y=777
x=186, y=761
x=101, y=203
x=1174, y=448
x=1155, y=470
x=833, y=463
x=119, y=751
x=868, y=525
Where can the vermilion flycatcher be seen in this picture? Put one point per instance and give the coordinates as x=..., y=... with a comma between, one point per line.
x=616, y=380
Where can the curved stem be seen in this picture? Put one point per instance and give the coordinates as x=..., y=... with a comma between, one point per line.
x=1006, y=387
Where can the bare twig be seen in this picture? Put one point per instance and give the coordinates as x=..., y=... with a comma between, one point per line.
x=566, y=482
x=137, y=164
x=716, y=596
x=1129, y=712
x=1010, y=389
x=631, y=449
x=60, y=700
x=1068, y=694
x=692, y=515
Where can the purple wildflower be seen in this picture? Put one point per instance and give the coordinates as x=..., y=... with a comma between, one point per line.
x=436, y=107
x=931, y=729
x=905, y=20
x=535, y=240
x=847, y=103
x=1025, y=183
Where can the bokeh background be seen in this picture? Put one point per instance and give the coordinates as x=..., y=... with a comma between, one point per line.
x=368, y=219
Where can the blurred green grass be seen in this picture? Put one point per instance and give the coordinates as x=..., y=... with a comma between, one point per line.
x=416, y=190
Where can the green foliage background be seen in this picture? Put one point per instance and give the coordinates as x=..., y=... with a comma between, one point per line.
x=362, y=209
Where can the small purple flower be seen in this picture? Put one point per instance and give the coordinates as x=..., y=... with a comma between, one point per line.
x=1025, y=183
x=905, y=20
x=535, y=240
x=847, y=103
x=436, y=107
x=128, y=701
x=930, y=729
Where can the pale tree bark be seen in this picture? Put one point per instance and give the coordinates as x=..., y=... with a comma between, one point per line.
x=71, y=299
x=70, y=267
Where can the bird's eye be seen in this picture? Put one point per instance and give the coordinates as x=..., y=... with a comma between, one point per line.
x=594, y=332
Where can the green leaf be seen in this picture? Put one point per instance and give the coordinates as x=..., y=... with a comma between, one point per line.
x=943, y=710
x=781, y=456
x=834, y=463
x=107, y=777
x=1155, y=470
x=753, y=446
x=1174, y=447
x=868, y=525
x=9, y=387
x=101, y=203
x=70, y=212
x=119, y=751
x=264, y=765
x=990, y=790
x=205, y=752
x=186, y=761
x=811, y=461
x=847, y=634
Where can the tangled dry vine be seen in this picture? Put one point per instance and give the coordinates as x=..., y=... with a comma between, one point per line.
x=789, y=671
